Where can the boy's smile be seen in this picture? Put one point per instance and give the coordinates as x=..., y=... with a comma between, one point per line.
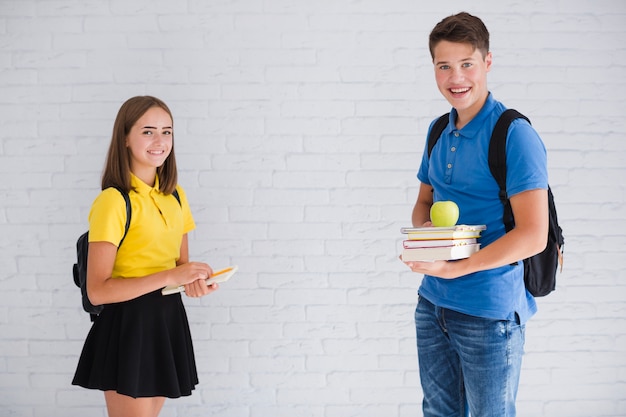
x=461, y=75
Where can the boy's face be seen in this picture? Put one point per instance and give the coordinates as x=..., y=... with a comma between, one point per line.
x=461, y=75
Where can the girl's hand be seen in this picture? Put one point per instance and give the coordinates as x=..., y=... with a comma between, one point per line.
x=191, y=271
x=194, y=276
x=200, y=289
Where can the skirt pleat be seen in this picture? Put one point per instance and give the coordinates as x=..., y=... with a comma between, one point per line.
x=140, y=348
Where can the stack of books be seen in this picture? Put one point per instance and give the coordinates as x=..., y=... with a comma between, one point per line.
x=440, y=243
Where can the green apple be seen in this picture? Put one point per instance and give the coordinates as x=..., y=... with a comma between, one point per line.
x=444, y=213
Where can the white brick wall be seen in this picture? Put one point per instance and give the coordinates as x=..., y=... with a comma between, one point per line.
x=300, y=126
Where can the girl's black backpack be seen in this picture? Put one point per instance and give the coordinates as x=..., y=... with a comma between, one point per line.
x=82, y=249
x=80, y=267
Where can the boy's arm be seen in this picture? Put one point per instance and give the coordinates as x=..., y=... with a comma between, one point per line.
x=529, y=237
x=421, y=211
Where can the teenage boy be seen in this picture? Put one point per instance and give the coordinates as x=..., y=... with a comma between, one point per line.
x=471, y=313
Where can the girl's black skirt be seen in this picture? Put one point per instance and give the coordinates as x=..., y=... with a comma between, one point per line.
x=140, y=348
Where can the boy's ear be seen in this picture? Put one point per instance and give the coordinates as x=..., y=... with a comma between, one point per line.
x=488, y=61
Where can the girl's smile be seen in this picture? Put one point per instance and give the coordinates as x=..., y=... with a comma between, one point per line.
x=150, y=142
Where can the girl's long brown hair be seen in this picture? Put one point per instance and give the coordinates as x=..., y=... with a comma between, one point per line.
x=117, y=167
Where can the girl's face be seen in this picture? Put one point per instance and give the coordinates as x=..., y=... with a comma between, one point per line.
x=461, y=75
x=150, y=143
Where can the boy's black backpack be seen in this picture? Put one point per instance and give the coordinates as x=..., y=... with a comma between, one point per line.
x=82, y=249
x=539, y=270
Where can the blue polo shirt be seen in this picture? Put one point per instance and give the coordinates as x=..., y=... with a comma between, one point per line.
x=458, y=170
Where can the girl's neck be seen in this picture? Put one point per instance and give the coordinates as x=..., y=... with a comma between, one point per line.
x=148, y=176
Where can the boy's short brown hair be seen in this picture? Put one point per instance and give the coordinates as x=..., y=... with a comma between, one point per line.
x=460, y=28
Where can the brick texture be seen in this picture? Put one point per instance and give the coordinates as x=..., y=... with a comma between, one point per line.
x=299, y=129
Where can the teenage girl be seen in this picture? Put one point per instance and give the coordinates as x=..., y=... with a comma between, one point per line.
x=139, y=349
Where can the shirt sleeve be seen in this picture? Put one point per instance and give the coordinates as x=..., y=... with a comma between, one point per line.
x=107, y=217
x=188, y=222
x=526, y=159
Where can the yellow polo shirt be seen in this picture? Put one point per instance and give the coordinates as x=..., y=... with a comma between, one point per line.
x=157, y=226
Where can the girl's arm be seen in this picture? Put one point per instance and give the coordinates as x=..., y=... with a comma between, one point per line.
x=197, y=288
x=103, y=289
x=184, y=251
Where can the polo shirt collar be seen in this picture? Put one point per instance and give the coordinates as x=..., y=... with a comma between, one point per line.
x=141, y=187
x=477, y=123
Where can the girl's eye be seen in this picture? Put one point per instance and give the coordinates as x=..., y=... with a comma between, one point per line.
x=151, y=132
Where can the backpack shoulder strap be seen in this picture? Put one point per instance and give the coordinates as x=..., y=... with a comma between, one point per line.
x=497, y=158
x=129, y=213
x=436, y=131
x=175, y=194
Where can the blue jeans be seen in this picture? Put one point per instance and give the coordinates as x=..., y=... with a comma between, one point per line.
x=467, y=364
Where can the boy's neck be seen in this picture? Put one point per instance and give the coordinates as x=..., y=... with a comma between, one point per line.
x=465, y=116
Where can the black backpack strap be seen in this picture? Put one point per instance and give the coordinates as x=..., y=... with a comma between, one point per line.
x=497, y=160
x=129, y=213
x=436, y=131
x=175, y=194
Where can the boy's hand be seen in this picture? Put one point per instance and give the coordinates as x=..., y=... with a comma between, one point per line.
x=440, y=269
